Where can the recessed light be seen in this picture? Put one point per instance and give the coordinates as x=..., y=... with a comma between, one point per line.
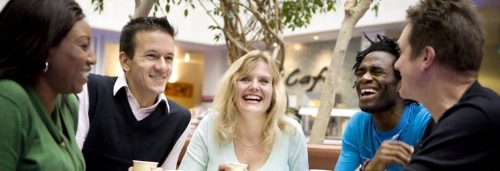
x=297, y=46
x=187, y=58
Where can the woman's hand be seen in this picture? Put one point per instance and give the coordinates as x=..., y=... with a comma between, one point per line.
x=233, y=166
x=225, y=167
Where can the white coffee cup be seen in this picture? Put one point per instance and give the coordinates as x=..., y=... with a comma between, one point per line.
x=238, y=167
x=144, y=165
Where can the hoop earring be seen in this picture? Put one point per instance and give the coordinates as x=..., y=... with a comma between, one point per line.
x=46, y=67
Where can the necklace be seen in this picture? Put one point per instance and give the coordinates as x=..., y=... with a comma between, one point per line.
x=246, y=145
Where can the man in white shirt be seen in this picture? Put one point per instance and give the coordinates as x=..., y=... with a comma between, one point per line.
x=128, y=117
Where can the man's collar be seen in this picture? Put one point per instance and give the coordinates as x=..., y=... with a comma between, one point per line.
x=121, y=82
x=3, y=4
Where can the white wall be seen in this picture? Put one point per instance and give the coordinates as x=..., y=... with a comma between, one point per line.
x=215, y=66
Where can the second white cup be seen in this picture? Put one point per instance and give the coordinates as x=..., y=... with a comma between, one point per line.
x=144, y=165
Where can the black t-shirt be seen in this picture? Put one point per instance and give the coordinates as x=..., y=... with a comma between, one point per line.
x=467, y=136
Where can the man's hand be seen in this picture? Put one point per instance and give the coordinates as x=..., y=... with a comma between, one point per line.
x=157, y=169
x=390, y=152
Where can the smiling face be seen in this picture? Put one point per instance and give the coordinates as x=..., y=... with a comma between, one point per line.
x=148, y=71
x=70, y=62
x=255, y=89
x=407, y=67
x=376, y=83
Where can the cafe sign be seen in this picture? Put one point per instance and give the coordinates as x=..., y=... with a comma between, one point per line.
x=296, y=77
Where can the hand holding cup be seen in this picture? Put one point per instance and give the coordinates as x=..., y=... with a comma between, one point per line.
x=233, y=167
x=144, y=166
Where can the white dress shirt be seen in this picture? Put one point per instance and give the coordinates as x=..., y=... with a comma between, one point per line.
x=170, y=162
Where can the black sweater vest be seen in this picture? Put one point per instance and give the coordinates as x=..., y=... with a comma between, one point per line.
x=115, y=137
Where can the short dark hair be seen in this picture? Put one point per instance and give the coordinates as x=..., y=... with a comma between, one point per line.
x=127, y=37
x=29, y=29
x=383, y=44
x=452, y=28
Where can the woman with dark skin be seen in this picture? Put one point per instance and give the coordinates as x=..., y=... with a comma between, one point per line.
x=45, y=59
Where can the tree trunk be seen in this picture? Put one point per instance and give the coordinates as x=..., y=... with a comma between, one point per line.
x=353, y=12
x=142, y=8
x=280, y=58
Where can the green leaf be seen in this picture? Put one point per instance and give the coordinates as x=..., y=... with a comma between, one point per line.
x=98, y=5
x=375, y=8
x=155, y=9
x=185, y=12
x=216, y=37
x=167, y=8
x=272, y=24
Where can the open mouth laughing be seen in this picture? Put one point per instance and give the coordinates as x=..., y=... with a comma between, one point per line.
x=367, y=93
x=252, y=98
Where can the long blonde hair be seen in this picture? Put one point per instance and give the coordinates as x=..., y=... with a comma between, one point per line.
x=225, y=101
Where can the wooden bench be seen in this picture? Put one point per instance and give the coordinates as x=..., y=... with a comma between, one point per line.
x=323, y=156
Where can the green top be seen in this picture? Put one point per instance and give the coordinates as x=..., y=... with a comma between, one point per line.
x=30, y=139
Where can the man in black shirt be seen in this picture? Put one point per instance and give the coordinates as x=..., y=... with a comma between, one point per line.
x=441, y=53
x=128, y=117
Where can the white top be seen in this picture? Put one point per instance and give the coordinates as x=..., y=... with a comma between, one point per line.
x=289, y=152
x=139, y=113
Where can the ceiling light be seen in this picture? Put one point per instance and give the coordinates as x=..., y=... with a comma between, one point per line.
x=297, y=46
x=187, y=58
